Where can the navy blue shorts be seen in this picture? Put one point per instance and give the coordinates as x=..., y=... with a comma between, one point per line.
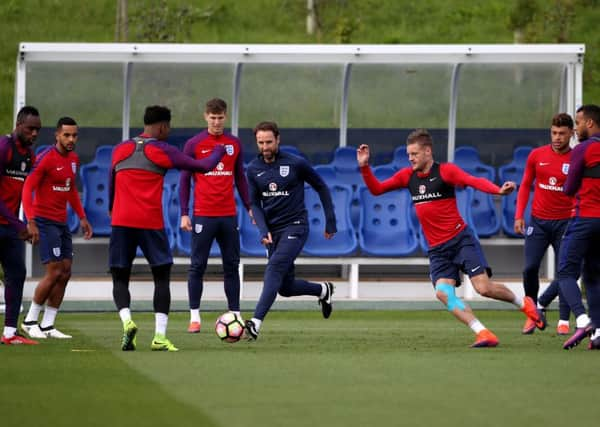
x=461, y=253
x=12, y=254
x=125, y=240
x=56, y=243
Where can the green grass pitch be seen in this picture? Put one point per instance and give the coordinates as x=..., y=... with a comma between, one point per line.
x=359, y=368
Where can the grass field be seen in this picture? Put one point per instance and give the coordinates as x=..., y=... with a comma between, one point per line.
x=359, y=368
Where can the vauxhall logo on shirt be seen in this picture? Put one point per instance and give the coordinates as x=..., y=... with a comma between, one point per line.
x=65, y=188
x=424, y=195
x=551, y=186
x=219, y=171
x=273, y=192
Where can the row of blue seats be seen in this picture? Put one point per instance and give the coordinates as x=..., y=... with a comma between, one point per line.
x=343, y=171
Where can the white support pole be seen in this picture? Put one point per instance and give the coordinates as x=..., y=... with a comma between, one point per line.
x=578, y=86
x=452, y=111
x=126, y=100
x=235, y=101
x=353, y=280
x=344, y=105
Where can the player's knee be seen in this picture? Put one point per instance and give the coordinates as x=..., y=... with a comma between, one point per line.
x=484, y=289
x=284, y=292
x=447, y=294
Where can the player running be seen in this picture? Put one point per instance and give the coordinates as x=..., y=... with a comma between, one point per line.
x=276, y=180
x=453, y=246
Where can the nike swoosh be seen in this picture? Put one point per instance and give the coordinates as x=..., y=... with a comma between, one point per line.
x=473, y=270
x=432, y=179
x=205, y=151
x=544, y=164
x=260, y=173
x=59, y=169
x=292, y=237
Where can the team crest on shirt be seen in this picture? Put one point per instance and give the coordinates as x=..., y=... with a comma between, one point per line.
x=23, y=166
x=284, y=171
x=529, y=231
x=565, y=168
x=272, y=186
x=74, y=167
x=56, y=252
x=229, y=149
x=198, y=228
x=422, y=189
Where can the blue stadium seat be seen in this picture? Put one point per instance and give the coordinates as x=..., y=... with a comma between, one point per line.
x=400, y=159
x=383, y=158
x=327, y=172
x=344, y=242
x=514, y=170
x=385, y=226
x=384, y=172
x=291, y=149
x=486, y=222
x=94, y=177
x=249, y=236
x=104, y=154
x=344, y=158
x=509, y=206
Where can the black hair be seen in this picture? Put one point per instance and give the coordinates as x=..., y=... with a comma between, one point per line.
x=157, y=114
x=591, y=111
x=26, y=111
x=68, y=121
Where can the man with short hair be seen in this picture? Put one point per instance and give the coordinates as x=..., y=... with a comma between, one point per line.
x=581, y=242
x=214, y=211
x=16, y=160
x=453, y=246
x=135, y=203
x=276, y=180
x=53, y=182
x=551, y=209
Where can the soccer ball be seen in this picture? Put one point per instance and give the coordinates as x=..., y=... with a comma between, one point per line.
x=229, y=327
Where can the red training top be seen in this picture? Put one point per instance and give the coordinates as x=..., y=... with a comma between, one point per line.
x=549, y=170
x=53, y=181
x=436, y=209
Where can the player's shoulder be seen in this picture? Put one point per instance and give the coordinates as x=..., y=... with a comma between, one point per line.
x=199, y=137
x=231, y=138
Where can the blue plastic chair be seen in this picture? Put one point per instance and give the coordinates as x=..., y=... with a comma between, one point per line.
x=509, y=206
x=344, y=158
x=249, y=236
x=95, y=197
x=514, y=170
x=344, y=242
x=400, y=159
x=384, y=172
x=385, y=227
x=104, y=154
x=291, y=149
x=486, y=222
